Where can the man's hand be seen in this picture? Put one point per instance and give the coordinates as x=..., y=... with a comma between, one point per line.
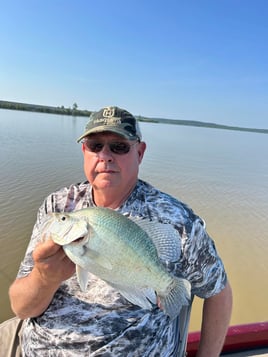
x=31, y=295
x=52, y=263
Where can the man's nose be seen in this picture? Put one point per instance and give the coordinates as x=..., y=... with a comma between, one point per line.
x=105, y=153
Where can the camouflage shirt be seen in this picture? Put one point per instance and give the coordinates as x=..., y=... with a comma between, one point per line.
x=100, y=322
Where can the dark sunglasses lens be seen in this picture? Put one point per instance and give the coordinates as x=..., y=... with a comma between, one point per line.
x=120, y=148
x=94, y=146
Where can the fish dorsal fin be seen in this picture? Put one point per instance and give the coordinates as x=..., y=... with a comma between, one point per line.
x=164, y=236
x=82, y=277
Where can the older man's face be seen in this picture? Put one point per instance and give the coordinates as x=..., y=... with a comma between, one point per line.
x=111, y=162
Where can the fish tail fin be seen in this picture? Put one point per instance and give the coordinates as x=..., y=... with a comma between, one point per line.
x=178, y=295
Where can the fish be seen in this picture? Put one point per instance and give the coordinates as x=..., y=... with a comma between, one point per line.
x=127, y=252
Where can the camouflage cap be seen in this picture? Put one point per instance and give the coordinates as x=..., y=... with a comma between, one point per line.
x=113, y=119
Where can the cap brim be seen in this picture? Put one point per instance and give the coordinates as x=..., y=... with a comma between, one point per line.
x=106, y=128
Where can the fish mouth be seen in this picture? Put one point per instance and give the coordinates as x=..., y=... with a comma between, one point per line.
x=78, y=244
x=79, y=241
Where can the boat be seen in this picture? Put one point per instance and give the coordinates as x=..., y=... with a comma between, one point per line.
x=241, y=340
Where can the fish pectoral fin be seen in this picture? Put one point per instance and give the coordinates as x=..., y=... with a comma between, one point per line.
x=144, y=298
x=82, y=277
x=101, y=260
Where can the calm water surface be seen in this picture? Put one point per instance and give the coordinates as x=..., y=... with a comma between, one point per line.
x=222, y=175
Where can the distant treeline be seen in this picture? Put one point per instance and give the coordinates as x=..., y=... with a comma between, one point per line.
x=44, y=108
x=207, y=125
x=74, y=111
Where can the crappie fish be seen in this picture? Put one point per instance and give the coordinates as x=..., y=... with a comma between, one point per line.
x=125, y=253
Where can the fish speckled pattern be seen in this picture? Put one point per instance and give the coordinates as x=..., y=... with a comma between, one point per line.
x=99, y=321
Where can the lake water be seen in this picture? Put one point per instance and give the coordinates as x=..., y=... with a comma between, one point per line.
x=221, y=174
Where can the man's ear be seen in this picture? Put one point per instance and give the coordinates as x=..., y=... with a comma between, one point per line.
x=83, y=148
x=141, y=150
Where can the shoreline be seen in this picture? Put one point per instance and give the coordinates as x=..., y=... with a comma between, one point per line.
x=74, y=111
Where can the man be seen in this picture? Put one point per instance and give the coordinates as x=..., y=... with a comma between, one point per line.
x=60, y=319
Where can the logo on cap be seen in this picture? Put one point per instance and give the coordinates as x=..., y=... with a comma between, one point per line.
x=108, y=112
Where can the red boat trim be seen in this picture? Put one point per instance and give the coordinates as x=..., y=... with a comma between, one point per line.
x=239, y=338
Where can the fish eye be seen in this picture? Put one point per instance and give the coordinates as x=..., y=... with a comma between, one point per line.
x=63, y=218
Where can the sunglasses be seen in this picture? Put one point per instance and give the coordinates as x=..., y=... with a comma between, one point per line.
x=116, y=147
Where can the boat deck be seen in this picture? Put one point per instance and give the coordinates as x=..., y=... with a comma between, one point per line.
x=241, y=341
x=250, y=353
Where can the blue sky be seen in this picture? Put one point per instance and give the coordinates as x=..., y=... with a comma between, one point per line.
x=191, y=60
